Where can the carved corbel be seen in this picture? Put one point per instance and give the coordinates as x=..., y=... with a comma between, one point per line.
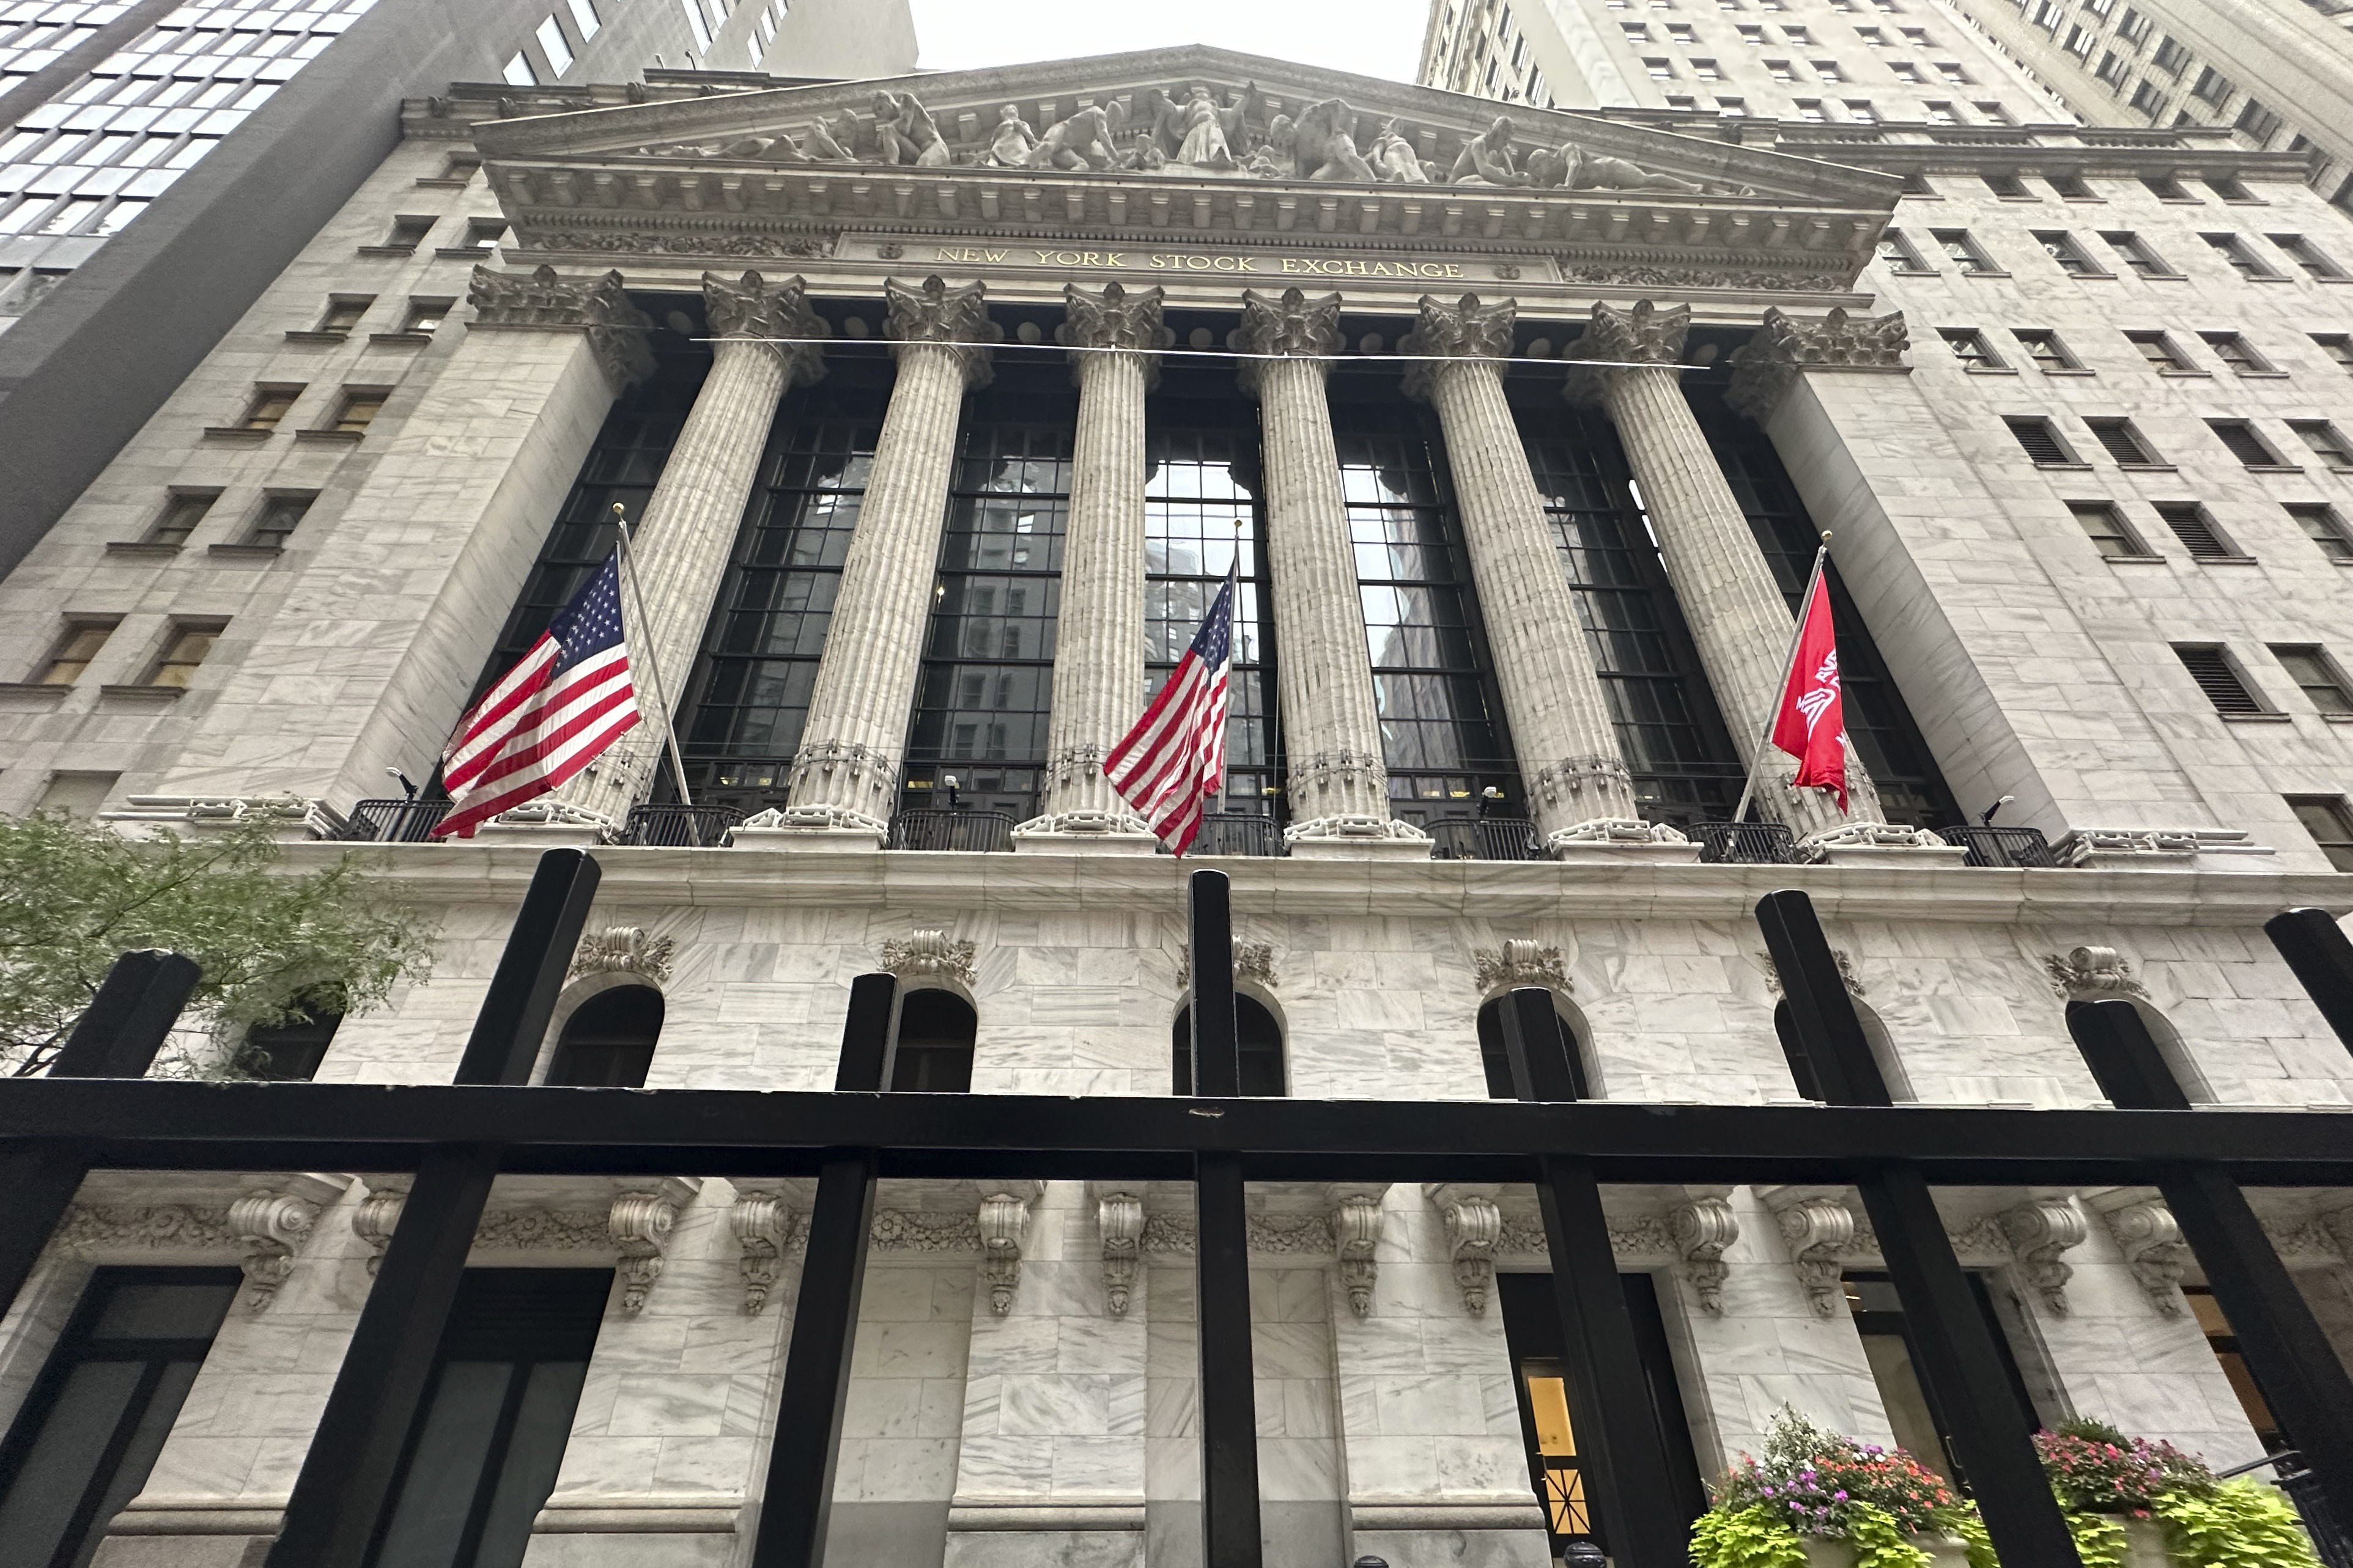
x=1473, y=1226
x=1818, y=1231
x=2039, y=1232
x=1357, y=1238
x=641, y=1224
x=1702, y=1229
x=373, y=1221
x=1519, y=962
x=1120, y=1217
x=2091, y=972
x=2151, y=1241
x=1004, y=1226
x=766, y=1230
x=932, y=955
x=623, y=949
x=270, y=1229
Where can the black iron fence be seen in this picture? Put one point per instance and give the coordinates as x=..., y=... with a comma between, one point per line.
x=2024, y=849
x=929, y=827
x=2329, y=1541
x=674, y=826
x=1485, y=838
x=1744, y=843
x=457, y=1138
x=1236, y=833
x=392, y=821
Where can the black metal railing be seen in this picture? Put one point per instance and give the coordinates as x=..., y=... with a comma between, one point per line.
x=392, y=821
x=674, y=826
x=928, y=827
x=1236, y=833
x=2329, y=1541
x=2022, y=848
x=1485, y=838
x=1745, y=844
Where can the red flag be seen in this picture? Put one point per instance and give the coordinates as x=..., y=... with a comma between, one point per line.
x=1811, y=723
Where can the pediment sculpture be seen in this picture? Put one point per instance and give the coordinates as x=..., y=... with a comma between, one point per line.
x=1189, y=131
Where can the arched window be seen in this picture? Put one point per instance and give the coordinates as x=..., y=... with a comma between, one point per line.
x=1875, y=1034
x=1260, y=1038
x=608, y=1042
x=2128, y=1079
x=1498, y=1063
x=291, y=1052
x=936, y=1030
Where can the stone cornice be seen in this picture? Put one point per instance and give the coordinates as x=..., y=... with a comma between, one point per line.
x=2078, y=903
x=954, y=317
x=544, y=300
x=1466, y=329
x=1765, y=365
x=1294, y=322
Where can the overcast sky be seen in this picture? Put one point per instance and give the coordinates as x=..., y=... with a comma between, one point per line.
x=1369, y=37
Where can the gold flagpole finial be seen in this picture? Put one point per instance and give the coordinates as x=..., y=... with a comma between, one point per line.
x=1826, y=532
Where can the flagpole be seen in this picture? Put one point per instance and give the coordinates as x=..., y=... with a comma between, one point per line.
x=653, y=678
x=1765, y=739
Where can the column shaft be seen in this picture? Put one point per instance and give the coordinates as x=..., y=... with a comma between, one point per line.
x=1577, y=784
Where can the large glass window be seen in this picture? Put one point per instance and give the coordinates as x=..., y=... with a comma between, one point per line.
x=1684, y=766
x=97, y=1415
x=1441, y=721
x=989, y=662
x=482, y=1455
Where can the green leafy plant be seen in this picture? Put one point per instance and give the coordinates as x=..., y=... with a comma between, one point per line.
x=1963, y=1522
x=273, y=945
x=2235, y=1524
x=1744, y=1538
x=1879, y=1541
x=2099, y=1540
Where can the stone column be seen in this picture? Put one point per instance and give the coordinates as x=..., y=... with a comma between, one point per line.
x=1739, y=616
x=1579, y=794
x=1099, y=635
x=1331, y=726
x=689, y=529
x=846, y=773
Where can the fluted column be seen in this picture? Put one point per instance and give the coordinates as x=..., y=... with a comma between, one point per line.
x=1739, y=616
x=1099, y=632
x=684, y=540
x=847, y=769
x=1338, y=785
x=1580, y=792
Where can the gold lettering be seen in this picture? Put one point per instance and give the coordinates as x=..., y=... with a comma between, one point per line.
x=1452, y=270
x=1291, y=264
x=1113, y=258
x=1356, y=269
x=1044, y=257
x=1248, y=264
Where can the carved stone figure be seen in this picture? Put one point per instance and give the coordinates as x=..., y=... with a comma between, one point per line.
x=1573, y=168
x=1162, y=118
x=1486, y=158
x=1274, y=159
x=1394, y=161
x=832, y=143
x=1143, y=154
x=1011, y=142
x=1324, y=145
x=904, y=132
x=1205, y=145
x=1085, y=140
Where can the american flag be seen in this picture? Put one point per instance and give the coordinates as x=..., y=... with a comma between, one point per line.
x=562, y=704
x=1173, y=763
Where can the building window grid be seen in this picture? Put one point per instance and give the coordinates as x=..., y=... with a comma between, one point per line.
x=2162, y=353
x=2338, y=346
x=2073, y=258
x=185, y=649
x=2330, y=822
x=2217, y=675
x=2194, y=526
x=2039, y=440
x=182, y=512
x=2137, y=253
x=2316, y=675
x=2315, y=262
x=2123, y=444
x=1970, y=348
x=279, y=517
x=84, y=640
x=2325, y=441
x=1963, y=250
x=2244, y=443
x=2323, y=525
x=2242, y=257
x=2103, y=524
x=2045, y=348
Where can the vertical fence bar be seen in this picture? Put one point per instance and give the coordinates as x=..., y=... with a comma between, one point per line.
x=522, y=997
x=1620, y=1452
x=1957, y=1358
x=1229, y=1403
x=346, y=1481
x=1217, y=1053
x=869, y=1037
x=2316, y=949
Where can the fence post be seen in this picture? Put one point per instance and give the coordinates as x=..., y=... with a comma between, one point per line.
x=2315, y=948
x=522, y=997
x=796, y=1504
x=1622, y=1454
x=1217, y=1053
x=1819, y=1008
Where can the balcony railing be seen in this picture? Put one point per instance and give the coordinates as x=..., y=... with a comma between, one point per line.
x=1236, y=833
x=931, y=828
x=1486, y=838
x=673, y=827
x=2023, y=848
x=1744, y=844
x=392, y=821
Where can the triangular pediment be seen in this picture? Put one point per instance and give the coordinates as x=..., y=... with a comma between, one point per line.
x=1127, y=116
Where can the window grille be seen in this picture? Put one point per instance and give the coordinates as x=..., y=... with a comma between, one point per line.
x=2120, y=441
x=2042, y=442
x=2195, y=529
x=2245, y=444
x=2210, y=668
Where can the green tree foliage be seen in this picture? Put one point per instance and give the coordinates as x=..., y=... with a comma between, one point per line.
x=272, y=944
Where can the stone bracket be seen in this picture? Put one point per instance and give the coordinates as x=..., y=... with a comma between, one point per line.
x=1474, y=1223
x=1120, y=1217
x=641, y=1224
x=1004, y=1227
x=1702, y=1229
x=1818, y=1229
x=1357, y=1238
x=2150, y=1238
x=2039, y=1231
x=271, y=1227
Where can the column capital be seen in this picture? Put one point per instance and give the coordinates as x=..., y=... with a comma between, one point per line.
x=935, y=314
x=753, y=307
x=1114, y=319
x=1466, y=329
x=1294, y=324
x=1643, y=335
x=1765, y=365
x=546, y=302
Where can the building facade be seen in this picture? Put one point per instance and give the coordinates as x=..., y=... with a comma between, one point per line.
x=941, y=421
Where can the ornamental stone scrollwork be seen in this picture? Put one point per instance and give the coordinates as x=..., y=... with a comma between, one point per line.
x=869, y=775
x=1701, y=1230
x=924, y=955
x=623, y=949
x=1839, y=956
x=683, y=242
x=2039, y=1232
x=549, y=812
x=1114, y=320
x=1644, y=335
x=2150, y=1238
x=767, y=1232
x=159, y=1226
x=375, y=1219
x=1466, y=330
x=1272, y=1234
x=271, y=1227
x=1120, y=1217
x=1635, y=1238
x=639, y=1225
x=1003, y=1225
x=1763, y=366
x=1357, y=1237
x=543, y=1230
x=916, y=1230
x=1817, y=1232
x=1253, y=962
x=1295, y=325
x=1474, y=1228
x=1340, y=775
x=1816, y=846
x=1680, y=278
x=956, y=319
x=751, y=307
x=1520, y=963
x=2091, y=972
x=546, y=302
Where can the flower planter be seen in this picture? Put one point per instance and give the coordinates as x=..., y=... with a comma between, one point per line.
x=1943, y=1553
x=2145, y=1545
